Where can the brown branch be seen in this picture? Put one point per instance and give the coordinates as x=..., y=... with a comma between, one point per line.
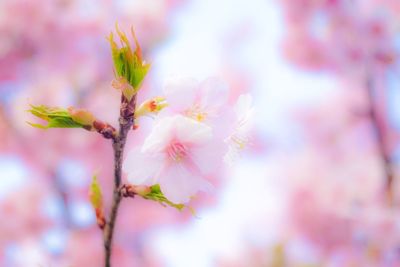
x=381, y=141
x=126, y=121
x=105, y=129
x=60, y=189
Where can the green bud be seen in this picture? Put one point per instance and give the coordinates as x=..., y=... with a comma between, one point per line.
x=128, y=63
x=58, y=117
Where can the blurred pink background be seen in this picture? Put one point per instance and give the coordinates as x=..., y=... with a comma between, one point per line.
x=318, y=187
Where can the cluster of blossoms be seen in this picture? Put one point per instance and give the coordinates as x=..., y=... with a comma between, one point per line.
x=328, y=210
x=37, y=31
x=52, y=55
x=190, y=138
x=342, y=178
x=335, y=38
x=194, y=129
x=194, y=132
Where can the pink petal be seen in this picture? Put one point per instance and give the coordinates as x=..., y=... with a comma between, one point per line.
x=179, y=184
x=142, y=169
x=160, y=136
x=243, y=105
x=191, y=131
x=208, y=158
x=214, y=93
x=180, y=92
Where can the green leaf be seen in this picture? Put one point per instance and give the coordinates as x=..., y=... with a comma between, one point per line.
x=137, y=75
x=95, y=195
x=63, y=122
x=157, y=195
x=128, y=63
x=55, y=117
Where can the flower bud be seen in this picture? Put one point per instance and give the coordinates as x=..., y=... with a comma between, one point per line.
x=141, y=190
x=129, y=190
x=61, y=118
x=81, y=116
x=130, y=68
x=151, y=106
x=96, y=199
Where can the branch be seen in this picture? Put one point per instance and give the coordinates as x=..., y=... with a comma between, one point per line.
x=126, y=122
x=60, y=189
x=381, y=141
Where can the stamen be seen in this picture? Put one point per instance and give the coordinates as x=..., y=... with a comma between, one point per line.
x=240, y=142
x=152, y=105
x=197, y=113
x=177, y=151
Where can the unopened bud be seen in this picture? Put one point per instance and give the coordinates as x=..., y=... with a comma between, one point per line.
x=96, y=199
x=100, y=218
x=81, y=116
x=129, y=190
x=151, y=106
x=62, y=118
x=128, y=63
x=122, y=85
x=104, y=129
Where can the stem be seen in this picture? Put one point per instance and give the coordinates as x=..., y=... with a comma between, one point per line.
x=381, y=142
x=126, y=121
x=63, y=195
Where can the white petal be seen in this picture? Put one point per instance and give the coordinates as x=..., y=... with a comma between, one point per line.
x=214, y=93
x=245, y=114
x=240, y=138
x=180, y=92
x=231, y=155
x=142, y=169
x=179, y=184
x=243, y=105
x=180, y=127
x=160, y=136
x=190, y=131
x=208, y=158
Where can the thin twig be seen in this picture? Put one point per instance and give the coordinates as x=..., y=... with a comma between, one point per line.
x=126, y=121
x=60, y=189
x=381, y=141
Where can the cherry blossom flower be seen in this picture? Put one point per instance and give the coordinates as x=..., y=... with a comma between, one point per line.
x=177, y=154
x=201, y=101
x=240, y=138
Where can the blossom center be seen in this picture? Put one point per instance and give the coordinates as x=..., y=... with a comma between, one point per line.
x=240, y=141
x=177, y=151
x=197, y=113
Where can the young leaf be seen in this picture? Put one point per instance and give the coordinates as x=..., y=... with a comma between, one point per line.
x=96, y=199
x=128, y=63
x=95, y=195
x=61, y=118
x=157, y=195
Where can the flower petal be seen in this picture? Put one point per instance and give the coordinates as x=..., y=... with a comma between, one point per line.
x=142, y=169
x=190, y=131
x=178, y=184
x=243, y=107
x=160, y=135
x=180, y=92
x=214, y=93
x=209, y=157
